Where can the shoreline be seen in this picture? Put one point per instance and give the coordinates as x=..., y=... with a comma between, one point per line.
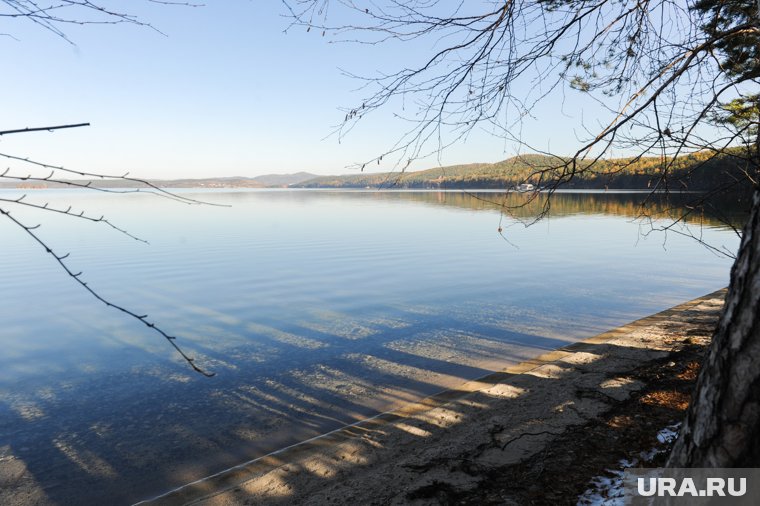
x=504, y=418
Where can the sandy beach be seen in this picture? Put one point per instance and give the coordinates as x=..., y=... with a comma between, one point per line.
x=450, y=444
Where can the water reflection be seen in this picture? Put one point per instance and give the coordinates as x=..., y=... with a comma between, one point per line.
x=314, y=308
x=692, y=207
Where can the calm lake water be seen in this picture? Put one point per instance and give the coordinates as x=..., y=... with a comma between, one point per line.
x=314, y=308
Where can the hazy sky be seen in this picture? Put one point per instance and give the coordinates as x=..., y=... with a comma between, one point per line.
x=224, y=92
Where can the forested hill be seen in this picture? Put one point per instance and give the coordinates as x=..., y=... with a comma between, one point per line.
x=696, y=171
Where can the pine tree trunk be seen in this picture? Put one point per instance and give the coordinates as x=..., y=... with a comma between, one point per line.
x=722, y=426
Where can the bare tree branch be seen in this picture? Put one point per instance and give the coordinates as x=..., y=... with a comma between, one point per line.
x=40, y=129
x=145, y=185
x=54, y=15
x=68, y=212
x=30, y=230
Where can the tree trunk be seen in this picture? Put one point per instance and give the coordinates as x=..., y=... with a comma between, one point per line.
x=722, y=426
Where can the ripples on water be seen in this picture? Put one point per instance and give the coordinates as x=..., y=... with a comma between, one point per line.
x=314, y=308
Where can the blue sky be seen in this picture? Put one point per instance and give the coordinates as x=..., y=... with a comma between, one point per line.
x=224, y=92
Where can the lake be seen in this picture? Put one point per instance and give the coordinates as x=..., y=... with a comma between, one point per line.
x=314, y=308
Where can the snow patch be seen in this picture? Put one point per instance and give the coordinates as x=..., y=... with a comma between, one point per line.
x=608, y=490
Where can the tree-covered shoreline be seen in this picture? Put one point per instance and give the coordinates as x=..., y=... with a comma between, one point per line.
x=701, y=171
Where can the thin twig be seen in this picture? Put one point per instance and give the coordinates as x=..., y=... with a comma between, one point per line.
x=77, y=277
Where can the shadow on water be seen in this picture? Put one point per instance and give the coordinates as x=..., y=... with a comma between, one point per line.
x=92, y=411
x=515, y=420
x=93, y=441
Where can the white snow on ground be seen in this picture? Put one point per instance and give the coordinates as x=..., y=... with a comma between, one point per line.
x=608, y=490
x=669, y=433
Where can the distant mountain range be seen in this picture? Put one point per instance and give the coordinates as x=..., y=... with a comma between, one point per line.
x=265, y=181
x=284, y=179
x=696, y=171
